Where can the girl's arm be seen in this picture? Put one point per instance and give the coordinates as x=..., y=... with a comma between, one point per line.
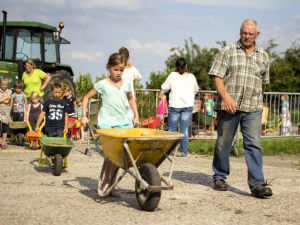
x=27, y=114
x=75, y=108
x=132, y=103
x=47, y=78
x=25, y=103
x=25, y=108
x=39, y=121
x=66, y=123
x=85, y=101
x=10, y=105
x=166, y=107
x=6, y=99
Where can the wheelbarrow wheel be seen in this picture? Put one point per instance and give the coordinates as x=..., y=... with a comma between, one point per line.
x=147, y=200
x=34, y=145
x=57, y=164
x=20, y=139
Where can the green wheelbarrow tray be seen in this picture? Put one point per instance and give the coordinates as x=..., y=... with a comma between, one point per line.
x=56, y=145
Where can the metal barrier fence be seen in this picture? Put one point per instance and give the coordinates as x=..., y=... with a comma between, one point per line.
x=280, y=118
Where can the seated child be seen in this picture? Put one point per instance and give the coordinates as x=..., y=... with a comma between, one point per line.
x=5, y=98
x=34, y=109
x=55, y=113
x=18, y=103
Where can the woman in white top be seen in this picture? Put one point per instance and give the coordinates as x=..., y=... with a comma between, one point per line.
x=130, y=74
x=183, y=87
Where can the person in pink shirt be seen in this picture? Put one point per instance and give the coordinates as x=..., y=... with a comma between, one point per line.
x=162, y=109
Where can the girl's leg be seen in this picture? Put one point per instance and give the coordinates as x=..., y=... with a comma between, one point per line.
x=81, y=133
x=4, y=135
x=108, y=176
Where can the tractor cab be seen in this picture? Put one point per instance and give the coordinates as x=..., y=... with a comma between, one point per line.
x=39, y=42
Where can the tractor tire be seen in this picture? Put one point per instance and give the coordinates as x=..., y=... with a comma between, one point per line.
x=147, y=200
x=60, y=76
x=58, y=161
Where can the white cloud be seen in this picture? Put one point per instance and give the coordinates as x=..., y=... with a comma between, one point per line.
x=157, y=48
x=254, y=4
x=89, y=56
x=116, y=4
x=29, y=3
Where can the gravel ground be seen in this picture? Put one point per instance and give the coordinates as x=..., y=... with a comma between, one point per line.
x=32, y=195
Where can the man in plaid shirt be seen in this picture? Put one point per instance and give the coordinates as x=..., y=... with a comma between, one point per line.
x=240, y=71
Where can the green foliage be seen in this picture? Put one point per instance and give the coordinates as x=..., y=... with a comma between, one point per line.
x=285, y=71
x=270, y=146
x=156, y=79
x=83, y=84
x=199, y=61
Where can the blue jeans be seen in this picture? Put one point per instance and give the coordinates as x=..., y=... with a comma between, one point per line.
x=183, y=116
x=250, y=124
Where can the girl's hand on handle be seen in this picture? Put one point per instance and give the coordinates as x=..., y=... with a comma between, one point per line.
x=84, y=120
x=136, y=122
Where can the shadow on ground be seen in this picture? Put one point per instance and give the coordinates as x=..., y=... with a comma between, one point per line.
x=127, y=196
x=200, y=178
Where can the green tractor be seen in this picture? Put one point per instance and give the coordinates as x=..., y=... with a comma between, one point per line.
x=39, y=42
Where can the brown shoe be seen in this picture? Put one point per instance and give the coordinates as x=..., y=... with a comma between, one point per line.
x=261, y=191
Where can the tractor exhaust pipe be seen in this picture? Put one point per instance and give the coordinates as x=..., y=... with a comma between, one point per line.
x=4, y=34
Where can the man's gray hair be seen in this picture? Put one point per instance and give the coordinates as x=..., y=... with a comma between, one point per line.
x=249, y=20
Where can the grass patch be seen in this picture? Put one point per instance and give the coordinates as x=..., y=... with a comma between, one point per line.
x=270, y=146
x=276, y=146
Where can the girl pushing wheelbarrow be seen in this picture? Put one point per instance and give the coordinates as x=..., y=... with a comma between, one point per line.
x=113, y=91
x=137, y=151
x=33, y=112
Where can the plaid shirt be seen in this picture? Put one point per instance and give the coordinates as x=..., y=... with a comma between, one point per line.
x=243, y=76
x=5, y=108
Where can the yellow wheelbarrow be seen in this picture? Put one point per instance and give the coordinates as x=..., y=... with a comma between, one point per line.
x=139, y=152
x=33, y=137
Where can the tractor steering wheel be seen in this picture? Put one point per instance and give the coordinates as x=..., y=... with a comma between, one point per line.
x=22, y=56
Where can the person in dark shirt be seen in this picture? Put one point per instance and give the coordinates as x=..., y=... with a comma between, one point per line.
x=71, y=101
x=55, y=112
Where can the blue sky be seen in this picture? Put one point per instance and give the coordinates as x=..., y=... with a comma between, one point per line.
x=97, y=28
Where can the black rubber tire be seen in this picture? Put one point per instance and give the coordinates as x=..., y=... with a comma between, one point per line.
x=148, y=201
x=34, y=145
x=20, y=139
x=61, y=76
x=58, y=161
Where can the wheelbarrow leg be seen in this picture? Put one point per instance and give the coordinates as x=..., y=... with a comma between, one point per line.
x=41, y=160
x=65, y=162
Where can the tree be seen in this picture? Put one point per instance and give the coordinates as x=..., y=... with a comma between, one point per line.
x=156, y=79
x=83, y=84
x=285, y=71
x=199, y=62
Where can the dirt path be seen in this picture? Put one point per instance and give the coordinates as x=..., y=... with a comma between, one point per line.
x=32, y=195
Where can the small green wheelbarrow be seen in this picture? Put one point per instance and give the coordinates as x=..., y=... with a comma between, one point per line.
x=56, y=150
x=18, y=131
